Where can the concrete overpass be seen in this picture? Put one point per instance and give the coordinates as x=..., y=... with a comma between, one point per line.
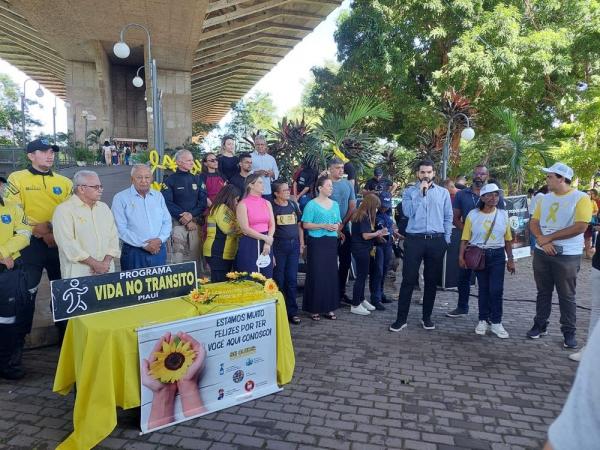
x=209, y=53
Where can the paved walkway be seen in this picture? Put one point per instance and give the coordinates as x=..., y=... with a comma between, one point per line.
x=357, y=386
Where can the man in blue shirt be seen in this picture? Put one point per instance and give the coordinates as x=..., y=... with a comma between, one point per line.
x=343, y=194
x=428, y=232
x=464, y=201
x=143, y=222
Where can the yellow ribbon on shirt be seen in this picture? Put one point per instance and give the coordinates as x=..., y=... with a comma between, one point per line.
x=552, y=212
x=487, y=224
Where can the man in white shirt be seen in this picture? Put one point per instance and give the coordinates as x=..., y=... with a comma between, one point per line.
x=558, y=223
x=264, y=165
x=85, y=230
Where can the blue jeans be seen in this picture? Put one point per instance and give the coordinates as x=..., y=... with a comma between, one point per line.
x=491, y=286
x=378, y=270
x=136, y=257
x=285, y=272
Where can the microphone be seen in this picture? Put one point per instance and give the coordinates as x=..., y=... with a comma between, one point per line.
x=424, y=191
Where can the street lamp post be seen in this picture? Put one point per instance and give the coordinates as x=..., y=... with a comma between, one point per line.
x=54, y=120
x=40, y=93
x=121, y=50
x=84, y=114
x=467, y=134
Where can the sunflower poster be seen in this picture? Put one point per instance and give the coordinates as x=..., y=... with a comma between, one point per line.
x=196, y=366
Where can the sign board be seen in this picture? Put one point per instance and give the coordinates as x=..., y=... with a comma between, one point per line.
x=518, y=216
x=197, y=366
x=72, y=297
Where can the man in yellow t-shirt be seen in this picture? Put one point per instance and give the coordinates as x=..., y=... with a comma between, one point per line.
x=38, y=190
x=558, y=223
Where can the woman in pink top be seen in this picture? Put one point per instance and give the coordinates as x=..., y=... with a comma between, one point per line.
x=255, y=218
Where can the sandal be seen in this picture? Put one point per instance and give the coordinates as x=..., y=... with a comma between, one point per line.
x=315, y=317
x=295, y=320
x=330, y=316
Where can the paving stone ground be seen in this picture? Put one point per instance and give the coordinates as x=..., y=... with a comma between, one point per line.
x=358, y=386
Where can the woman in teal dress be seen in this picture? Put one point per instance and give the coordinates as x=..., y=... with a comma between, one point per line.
x=321, y=218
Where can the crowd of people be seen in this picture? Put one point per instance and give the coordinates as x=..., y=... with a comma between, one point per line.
x=238, y=215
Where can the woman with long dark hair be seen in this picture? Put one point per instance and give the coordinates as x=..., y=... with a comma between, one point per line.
x=222, y=233
x=363, y=250
x=228, y=161
x=321, y=218
x=287, y=245
x=255, y=218
x=210, y=177
x=488, y=228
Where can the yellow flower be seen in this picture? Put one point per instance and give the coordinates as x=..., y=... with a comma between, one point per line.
x=271, y=286
x=242, y=274
x=232, y=275
x=204, y=280
x=195, y=295
x=172, y=361
x=258, y=276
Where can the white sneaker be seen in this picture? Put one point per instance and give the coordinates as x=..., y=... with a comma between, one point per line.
x=360, y=310
x=499, y=331
x=368, y=306
x=481, y=328
x=577, y=356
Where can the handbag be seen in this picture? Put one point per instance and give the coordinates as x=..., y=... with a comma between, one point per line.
x=475, y=256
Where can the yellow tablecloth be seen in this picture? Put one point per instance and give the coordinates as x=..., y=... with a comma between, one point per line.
x=100, y=355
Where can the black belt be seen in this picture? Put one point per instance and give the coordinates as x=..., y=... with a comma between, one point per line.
x=425, y=235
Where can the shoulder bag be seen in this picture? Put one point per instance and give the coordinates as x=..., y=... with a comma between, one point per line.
x=475, y=256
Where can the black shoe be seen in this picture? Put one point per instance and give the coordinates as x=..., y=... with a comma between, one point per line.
x=378, y=306
x=570, y=341
x=397, y=326
x=456, y=313
x=386, y=300
x=537, y=331
x=12, y=373
x=344, y=299
x=428, y=324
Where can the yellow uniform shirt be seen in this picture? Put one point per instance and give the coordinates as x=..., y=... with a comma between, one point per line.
x=38, y=194
x=82, y=232
x=14, y=230
x=477, y=227
x=222, y=234
x=557, y=212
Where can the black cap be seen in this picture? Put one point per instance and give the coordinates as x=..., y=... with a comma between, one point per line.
x=386, y=199
x=41, y=144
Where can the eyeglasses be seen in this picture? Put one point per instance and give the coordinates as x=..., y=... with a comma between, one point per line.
x=97, y=187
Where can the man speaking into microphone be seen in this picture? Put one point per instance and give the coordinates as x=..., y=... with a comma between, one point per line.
x=429, y=211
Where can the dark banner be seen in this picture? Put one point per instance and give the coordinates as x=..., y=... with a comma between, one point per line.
x=518, y=215
x=74, y=297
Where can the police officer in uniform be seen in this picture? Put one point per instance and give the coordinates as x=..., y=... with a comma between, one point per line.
x=38, y=191
x=185, y=197
x=16, y=306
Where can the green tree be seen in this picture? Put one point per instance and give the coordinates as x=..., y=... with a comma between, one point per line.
x=10, y=111
x=252, y=115
x=527, y=56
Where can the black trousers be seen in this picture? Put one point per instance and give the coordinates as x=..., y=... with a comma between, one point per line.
x=345, y=261
x=431, y=253
x=35, y=258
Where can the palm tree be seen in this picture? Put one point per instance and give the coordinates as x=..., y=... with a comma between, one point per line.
x=523, y=151
x=93, y=136
x=343, y=132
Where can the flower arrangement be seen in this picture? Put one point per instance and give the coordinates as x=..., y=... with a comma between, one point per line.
x=201, y=295
x=236, y=277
